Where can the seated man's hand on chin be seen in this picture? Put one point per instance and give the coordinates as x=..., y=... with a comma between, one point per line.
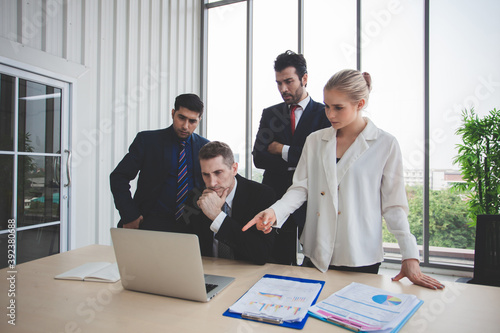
x=211, y=204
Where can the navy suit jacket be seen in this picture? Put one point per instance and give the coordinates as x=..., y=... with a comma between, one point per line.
x=249, y=199
x=275, y=126
x=147, y=156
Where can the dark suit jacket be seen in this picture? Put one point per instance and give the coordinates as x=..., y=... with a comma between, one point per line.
x=275, y=126
x=147, y=156
x=252, y=245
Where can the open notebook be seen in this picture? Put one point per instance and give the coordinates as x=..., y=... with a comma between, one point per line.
x=92, y=271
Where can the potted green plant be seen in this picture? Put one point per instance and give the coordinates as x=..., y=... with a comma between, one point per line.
x=479, y=161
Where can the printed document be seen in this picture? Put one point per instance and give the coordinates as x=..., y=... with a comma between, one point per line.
x=364, y=308
x=278, y=298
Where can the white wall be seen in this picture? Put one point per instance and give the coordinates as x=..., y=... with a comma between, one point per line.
x=126, y=60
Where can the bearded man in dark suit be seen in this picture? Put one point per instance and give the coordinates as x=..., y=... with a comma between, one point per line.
x=281, y=136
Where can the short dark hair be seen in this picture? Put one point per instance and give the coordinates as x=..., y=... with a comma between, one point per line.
x=291, y=59
x=217, y=148
x=189, y=101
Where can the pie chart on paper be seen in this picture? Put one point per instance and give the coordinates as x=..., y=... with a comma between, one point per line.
x=386, y=300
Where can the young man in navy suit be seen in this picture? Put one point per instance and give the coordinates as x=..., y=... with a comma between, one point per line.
x=162, y=186
x=282, y=133
x=218, y=212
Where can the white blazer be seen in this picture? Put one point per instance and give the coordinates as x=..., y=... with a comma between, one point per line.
x=346, y=201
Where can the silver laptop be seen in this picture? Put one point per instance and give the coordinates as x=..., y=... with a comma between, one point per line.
x=164, y=263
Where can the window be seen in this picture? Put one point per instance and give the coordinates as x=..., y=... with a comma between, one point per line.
x=33, y=209
x=271, y=37
x=392, y=38
x=226, y=88
x=463, y=71
x=329, y=41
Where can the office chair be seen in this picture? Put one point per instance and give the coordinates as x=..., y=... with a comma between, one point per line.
x=487, y=253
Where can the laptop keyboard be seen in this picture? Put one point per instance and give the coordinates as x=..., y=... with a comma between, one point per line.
x=210, y=287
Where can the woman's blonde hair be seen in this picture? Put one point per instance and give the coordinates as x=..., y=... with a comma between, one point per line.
x=355, y=84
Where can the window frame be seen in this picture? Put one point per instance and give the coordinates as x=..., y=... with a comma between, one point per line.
x=300, y=46
x=64, y=218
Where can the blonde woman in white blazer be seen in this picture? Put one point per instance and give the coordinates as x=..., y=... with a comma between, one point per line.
x=351, y=175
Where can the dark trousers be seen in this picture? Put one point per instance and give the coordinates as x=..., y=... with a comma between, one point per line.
x=162, y=222
x=285, y=241
x=372, y=269
x=285, y=245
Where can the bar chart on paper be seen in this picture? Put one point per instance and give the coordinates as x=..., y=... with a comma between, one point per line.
x=286, y=299
x=273, y=309
x=271, y=295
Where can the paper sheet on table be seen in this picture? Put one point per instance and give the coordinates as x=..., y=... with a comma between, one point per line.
x=278, y=298
x=367, y=308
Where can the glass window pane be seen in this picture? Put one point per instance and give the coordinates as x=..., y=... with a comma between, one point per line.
x=4, y=249
x=272, y=37
x=38, y=190
x=6, y=204
x=393, y=53
x=226, y=86
x=465, y=73
x=39, y=118
x=7, y=103
x=329, y=41
x=37, y=243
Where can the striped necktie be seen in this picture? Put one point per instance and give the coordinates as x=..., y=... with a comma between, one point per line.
x=182, y=183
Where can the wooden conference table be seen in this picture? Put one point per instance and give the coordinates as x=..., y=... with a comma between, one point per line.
x=44, y=304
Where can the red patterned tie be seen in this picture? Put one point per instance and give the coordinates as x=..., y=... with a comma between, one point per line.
x=292, y=116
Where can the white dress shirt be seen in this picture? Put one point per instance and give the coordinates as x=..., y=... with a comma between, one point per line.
x=298, y=113
x=346, y=201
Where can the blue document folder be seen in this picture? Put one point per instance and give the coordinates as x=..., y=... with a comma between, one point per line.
x=297, y=324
